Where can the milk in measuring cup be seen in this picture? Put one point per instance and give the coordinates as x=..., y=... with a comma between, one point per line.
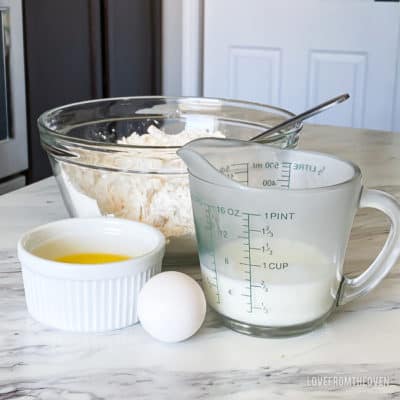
x=297, y=287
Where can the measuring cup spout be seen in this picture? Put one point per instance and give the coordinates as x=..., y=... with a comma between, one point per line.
x=197, y=156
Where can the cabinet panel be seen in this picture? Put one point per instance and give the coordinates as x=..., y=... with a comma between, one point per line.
x=132, y=39
x=254, y=74
x=62, y=63
x=341, y=72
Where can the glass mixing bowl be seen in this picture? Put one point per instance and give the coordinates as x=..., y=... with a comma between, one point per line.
x=100, y=174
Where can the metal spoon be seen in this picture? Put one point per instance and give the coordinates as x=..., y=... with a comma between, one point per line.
x=301, y=117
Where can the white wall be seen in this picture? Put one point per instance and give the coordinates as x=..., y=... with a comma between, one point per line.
x=172, y=47
x=396, y=109
x=182, y=40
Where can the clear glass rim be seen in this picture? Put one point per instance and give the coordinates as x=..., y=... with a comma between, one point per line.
x=356, y=174
x=43, y=126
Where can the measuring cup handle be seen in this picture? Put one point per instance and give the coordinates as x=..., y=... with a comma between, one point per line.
x=364, y=283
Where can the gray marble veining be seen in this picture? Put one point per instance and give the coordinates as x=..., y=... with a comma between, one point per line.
x=354, y=355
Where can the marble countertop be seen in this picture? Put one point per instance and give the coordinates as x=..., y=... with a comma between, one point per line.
x=355, y=354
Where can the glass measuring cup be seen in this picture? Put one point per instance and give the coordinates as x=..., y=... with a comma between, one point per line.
x=272, y=228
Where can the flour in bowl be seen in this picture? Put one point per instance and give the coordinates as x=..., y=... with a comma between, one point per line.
x=157, y=137
x=157, y=194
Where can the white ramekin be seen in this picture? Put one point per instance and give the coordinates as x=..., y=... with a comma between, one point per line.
x=88, y=297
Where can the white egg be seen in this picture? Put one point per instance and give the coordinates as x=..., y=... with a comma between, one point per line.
x=171, y=306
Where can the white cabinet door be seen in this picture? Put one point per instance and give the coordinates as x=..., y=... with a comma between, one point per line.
x=297, y=53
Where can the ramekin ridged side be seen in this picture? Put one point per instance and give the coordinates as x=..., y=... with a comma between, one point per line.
x=87, y=306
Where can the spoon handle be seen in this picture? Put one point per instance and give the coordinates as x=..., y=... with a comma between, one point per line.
x=301, y=117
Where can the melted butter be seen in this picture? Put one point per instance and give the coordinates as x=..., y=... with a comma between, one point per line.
x=92, y=258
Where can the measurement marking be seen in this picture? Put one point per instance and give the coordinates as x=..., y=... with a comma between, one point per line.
x=255, y=248
x=255, y=230
x=250, y=214
x=208, y=215
x=252, y=265
x=285, y=174
x=290, y=172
